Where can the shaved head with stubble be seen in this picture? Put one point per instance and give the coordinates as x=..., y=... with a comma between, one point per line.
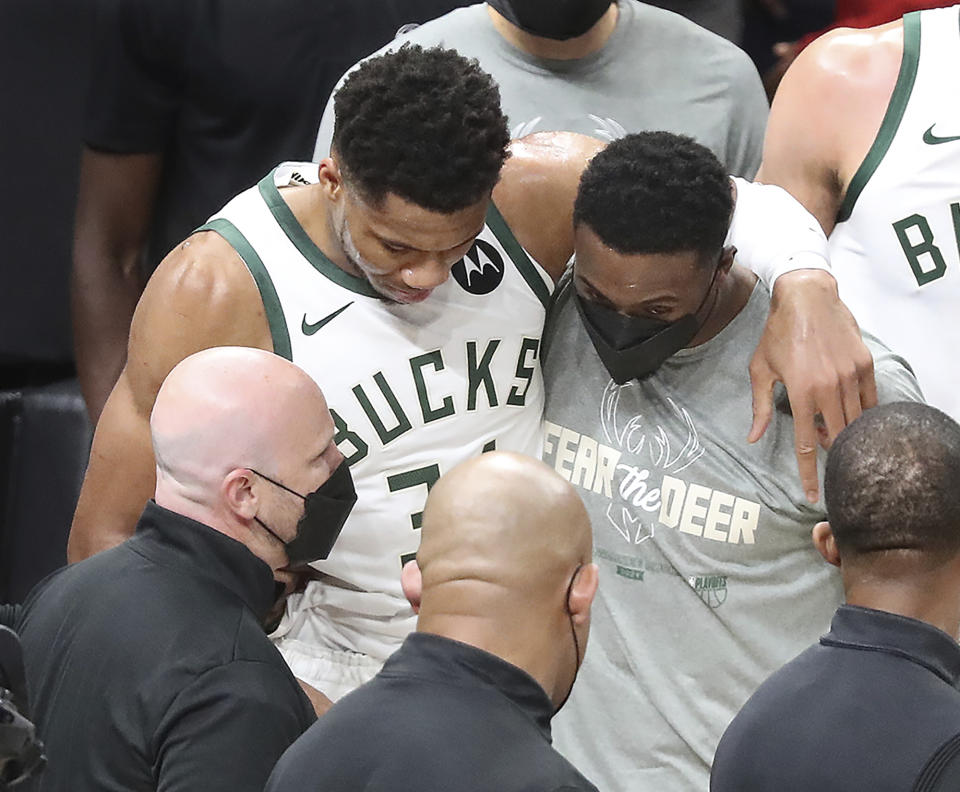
x=226, y=412
x=505, y=565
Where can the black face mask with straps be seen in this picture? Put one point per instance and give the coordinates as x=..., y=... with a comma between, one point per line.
x=554, y=19
x=633, y=347
x=325, y=510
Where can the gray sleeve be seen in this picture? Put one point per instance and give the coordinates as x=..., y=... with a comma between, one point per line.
x=748, y=113
x=894, y=376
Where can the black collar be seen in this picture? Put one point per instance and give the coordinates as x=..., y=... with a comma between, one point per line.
x=195, y=549
x=434, y=657
x=871, y=630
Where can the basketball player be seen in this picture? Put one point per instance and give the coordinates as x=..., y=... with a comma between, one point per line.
x=344, y=268
x=865, y=132
x=710, y=582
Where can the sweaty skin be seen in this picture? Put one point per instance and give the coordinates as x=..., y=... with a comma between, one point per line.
x=202, y=295
x=827, y=113
x=499, y=530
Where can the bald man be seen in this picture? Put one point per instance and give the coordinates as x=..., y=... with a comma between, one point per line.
x=502, y=585
x=148, y=665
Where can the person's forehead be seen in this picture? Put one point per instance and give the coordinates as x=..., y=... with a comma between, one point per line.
x=396, y=219
x=601, y=265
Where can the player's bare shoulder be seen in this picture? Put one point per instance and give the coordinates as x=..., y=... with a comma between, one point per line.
x=537, y=189
x=827, y=112
x=202, y=295
x=843, y=83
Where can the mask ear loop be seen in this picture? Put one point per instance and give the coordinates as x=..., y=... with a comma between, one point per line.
x=278, y=484
x=573, y=632
x=260, y=522
x=713, y=280
x=566, y=605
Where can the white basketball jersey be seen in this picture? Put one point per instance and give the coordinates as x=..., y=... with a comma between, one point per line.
x=413, y=389
x=895, y=249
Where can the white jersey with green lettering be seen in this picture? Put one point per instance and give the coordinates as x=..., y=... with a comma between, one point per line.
x=895, y=248
x=413, y=389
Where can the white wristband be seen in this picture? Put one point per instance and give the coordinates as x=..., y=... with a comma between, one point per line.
x=774, y=233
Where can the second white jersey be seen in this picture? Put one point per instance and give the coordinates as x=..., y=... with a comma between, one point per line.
x=413, y=389
x=896, y=248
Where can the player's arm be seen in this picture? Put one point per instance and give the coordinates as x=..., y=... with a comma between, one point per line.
x=537, y=190
x=811, y=342
x=130, y=117
x=826, y=115
x=823, y=121
x=115, y=202
x=201, y=296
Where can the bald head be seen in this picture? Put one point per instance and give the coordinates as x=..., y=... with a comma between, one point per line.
x=228, y=407
x=505, y=519
x=504, y=565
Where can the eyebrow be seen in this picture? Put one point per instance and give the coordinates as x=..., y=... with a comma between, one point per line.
x=666, y=299
x=591, y=287
x=404, y=246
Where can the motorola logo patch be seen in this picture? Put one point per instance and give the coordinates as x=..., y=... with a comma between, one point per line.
x=481, y=270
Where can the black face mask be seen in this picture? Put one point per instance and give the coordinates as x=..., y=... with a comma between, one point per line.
x=633, y=347
x=554, y=19
x=576, y=641
x=325, y=510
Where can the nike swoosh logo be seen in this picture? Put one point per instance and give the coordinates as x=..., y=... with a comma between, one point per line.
x=932, y=140
x=309, y=329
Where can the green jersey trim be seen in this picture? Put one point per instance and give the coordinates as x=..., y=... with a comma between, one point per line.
x=891, y=119
x=268, y=294
x=517, y=254
x=302, y=242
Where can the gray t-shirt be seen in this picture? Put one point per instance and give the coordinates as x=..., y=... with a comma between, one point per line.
x=658, y=71
x=708, y=577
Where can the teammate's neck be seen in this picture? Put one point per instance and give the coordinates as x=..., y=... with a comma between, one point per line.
x=571, y=49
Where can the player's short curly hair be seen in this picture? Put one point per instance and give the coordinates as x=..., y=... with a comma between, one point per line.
x=656, y=192
x=892, y=482
x=424, y=124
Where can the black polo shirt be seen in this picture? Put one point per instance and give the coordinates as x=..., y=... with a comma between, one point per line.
x=148, y=667
x=441, y=716
x=874, y=706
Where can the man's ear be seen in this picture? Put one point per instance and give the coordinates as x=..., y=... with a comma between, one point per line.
x=330, y=178
x=411, y=581
x=582, y=592
x=826, y=543
x=238, y=494
x=727, y=256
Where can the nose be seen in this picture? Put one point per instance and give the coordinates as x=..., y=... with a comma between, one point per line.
x=426, y=274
